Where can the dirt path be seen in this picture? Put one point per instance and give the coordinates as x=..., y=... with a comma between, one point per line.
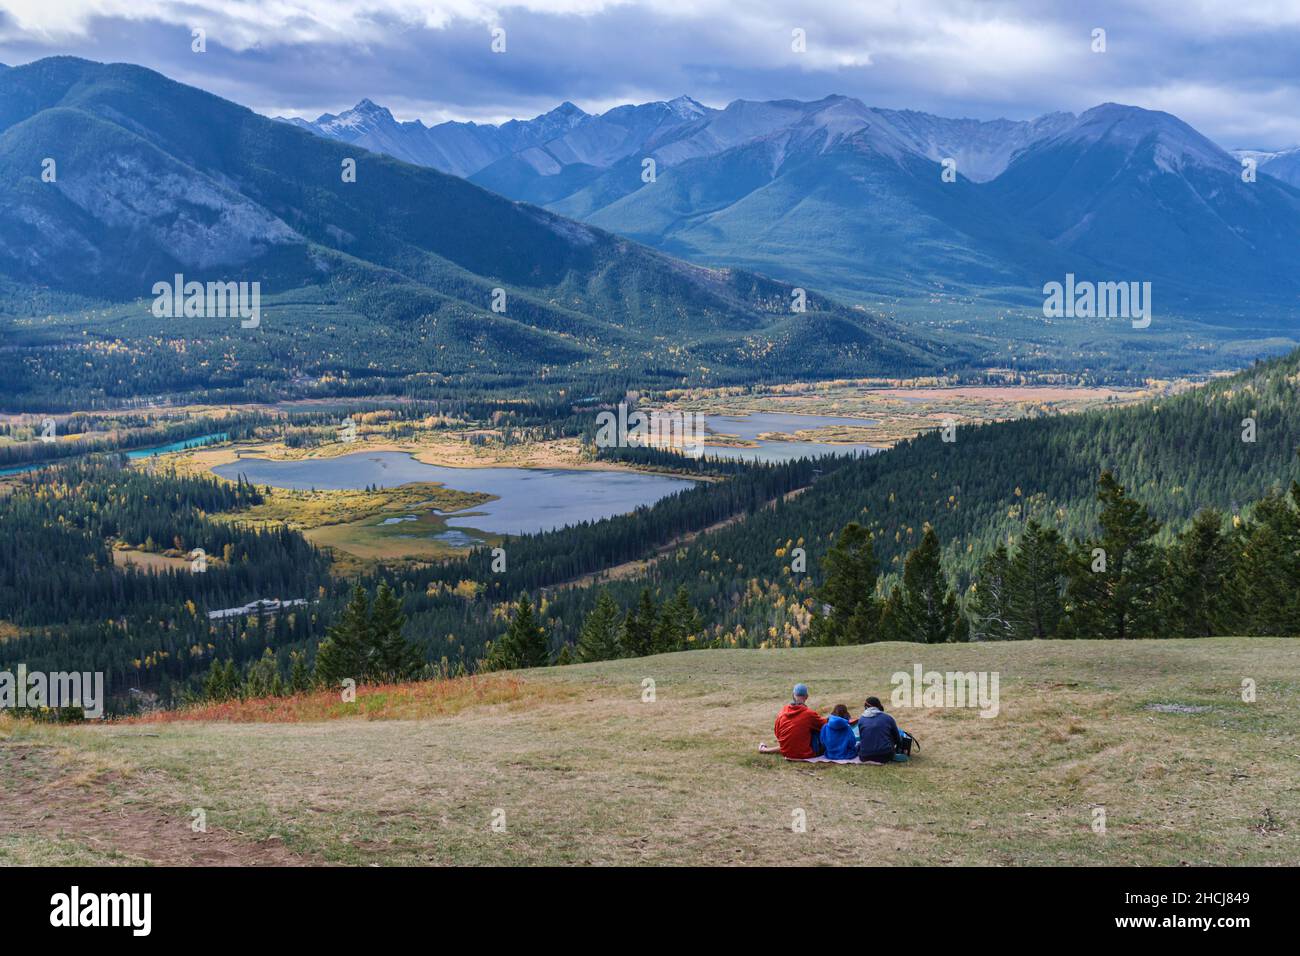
x=41, y=798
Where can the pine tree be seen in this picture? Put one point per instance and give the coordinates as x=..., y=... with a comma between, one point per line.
x=1114, y=579
x=687, y=622
x=533, y=641
x=677, y=619
x=299, y=676
x=1035, y=583
x=601, y=638
x=1267, y=577
x=524, y=644
x=217, y=685
x=345, y=652
x=499, y=655
x=927, y=610
x=395, y=658
x=990, y=600
x=892, y=625
x=665, y=631
x=1197, y=576
x=639, y=626
x=263, y=679
x=212, y=683
x=850, y=612
x=231, y=681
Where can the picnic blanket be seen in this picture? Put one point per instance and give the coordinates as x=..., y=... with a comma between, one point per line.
x=765, y=749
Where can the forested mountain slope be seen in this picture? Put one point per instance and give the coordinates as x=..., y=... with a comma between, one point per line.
x=1175, y=455
x=115, y=178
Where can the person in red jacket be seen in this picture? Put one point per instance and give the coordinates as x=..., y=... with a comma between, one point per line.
x=798, y=727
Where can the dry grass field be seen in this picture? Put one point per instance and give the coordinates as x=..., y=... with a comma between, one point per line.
x=573, y=766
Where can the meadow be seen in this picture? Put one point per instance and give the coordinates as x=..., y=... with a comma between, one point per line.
x=895, y=410
x=576, y=765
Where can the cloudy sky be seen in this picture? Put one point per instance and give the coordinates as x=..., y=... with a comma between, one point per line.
x=1227, y=68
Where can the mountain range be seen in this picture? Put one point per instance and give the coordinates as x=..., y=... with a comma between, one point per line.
x=852, y=199
x=114, y=178
x=150, y=178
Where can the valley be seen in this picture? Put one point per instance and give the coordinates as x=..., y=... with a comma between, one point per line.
x=490, y=472
x=415, y=411
x=444, y=487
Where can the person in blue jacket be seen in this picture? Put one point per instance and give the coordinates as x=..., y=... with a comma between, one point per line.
x=878, y=736
x=838, y=740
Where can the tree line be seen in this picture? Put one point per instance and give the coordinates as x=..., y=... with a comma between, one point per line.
x=1219, y=576
x=364, y=644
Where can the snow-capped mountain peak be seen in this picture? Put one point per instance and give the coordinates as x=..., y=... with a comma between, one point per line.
x=686, y=107
x=1172, y=143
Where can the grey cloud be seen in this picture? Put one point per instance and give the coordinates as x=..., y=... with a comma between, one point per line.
x=1233, y=80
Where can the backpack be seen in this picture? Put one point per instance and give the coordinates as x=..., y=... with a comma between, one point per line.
x=906, y=743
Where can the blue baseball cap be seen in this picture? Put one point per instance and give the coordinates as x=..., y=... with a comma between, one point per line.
x=801, y=690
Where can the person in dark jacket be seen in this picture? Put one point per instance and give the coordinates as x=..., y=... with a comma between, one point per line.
x=878, y=736
x=838, y=741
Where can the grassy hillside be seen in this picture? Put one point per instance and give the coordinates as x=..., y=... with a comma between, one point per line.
x=586, y=772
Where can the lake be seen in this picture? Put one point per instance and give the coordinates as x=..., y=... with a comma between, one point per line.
x=750, y=426
x=528, y=499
